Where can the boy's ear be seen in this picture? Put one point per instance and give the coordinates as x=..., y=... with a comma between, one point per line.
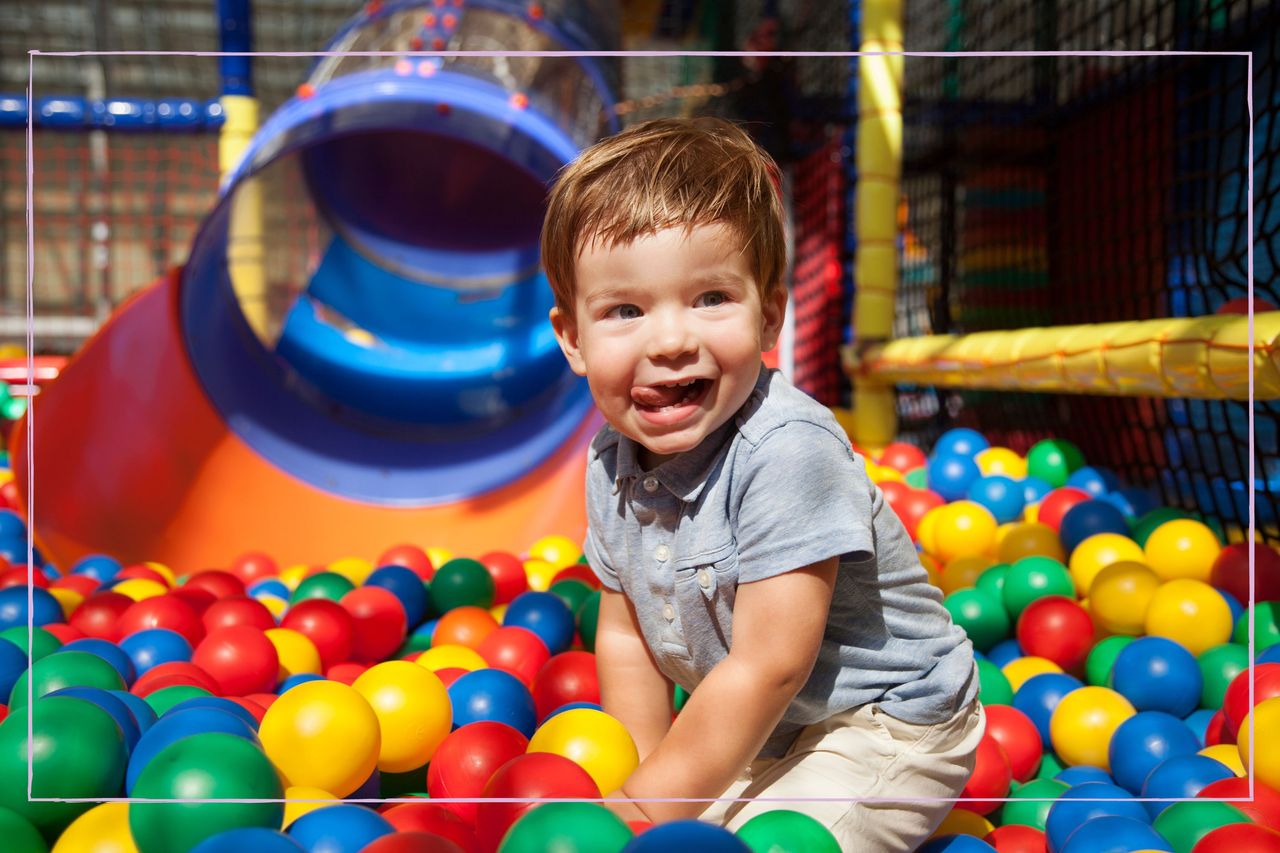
x=566, y=329
x=773, y=311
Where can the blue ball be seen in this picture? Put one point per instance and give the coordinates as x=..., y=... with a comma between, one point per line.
x=114, y=707
x=217, y=703
x=686, y=835
x=1088, y=518
x=1034, y=489
x=1271, y=654
x=951, y=476
x=100, y=567
x=1143, y=741
x=1233, y=604
x=153, y=646
x=1181, y=776
x=956, y=844
x=1133, y=502
x=405, y=585
x=999, y=494
x=296, y=679
x=174, y=727
x=1039, y=695
x=1070, y=811
x=249, y=838
x=1115, y=835
x=11, y=525
x=1005, y=651
x=13, y=662
x=961, y=441
x=570, y=706
x=1198, y=721
x=1096, y=481
x=339, y=829
x=15, y=550
x=491, y=694
x=270, y=586
x=1082, y=773
x=13, y=607
x=545, y=614
x=142, y=712
x=109, y=652
x=1157, y=674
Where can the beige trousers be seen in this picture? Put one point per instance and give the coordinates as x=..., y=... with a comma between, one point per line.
x=900, y=772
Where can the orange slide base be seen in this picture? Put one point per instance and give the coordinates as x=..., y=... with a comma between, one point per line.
x=132, y=460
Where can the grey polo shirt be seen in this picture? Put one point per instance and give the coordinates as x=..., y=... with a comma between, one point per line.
x=776, y=488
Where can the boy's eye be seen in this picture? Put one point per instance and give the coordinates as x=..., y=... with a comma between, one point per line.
x=712, y=299
x=624, y=312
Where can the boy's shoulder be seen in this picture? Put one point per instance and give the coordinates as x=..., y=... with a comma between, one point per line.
x=776, y=403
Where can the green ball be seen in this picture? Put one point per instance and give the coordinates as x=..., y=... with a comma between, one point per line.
x=1050, y=766
x=1219, y=665
x=1146, y=524
x=993, y=686
x=212, y=766
x=981, y=615
x=1102, y=658
x=572, y=592
x=45, y=643
x=589, y=620
x=1035, y=577
x=79, y=752
x=679, y=696
x=786, y=831
x=65, y=669
x=1266, y=625
x=1184, y=824
x=1053, y=460
x=1022, y=807
x=415, y=642
x=166, y=697
x=917, y=478
x=566, y=828
x=991, y=581
x=461, y=582
x=19, y=834
x=330, y=585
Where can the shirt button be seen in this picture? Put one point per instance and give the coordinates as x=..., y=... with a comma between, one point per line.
x=704, y=579
x=661, y=553
x=651, y=484
x=669, y=612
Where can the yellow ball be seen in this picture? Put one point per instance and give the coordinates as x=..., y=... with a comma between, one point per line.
x=1189, y=612
x=1083, y=723
x=438, y=556
x=102, y=829
x=1120, y=595
x=885, y=474
x=963, y=572
x=926, y=529
x=275, y=605
x=594, y=741
x=932, y=568
x=1020, y=669
x=1099, y=551
x=1264, y=720
x=297, y=653
x=413, y=710
x=294, y=809
x=162, y=570
x=1029, y=539
x=1031, y=513
x=353, y=569
x=964, y=529
x=293, y=575
x=498, y=611
x=964, y=822
x=558, y=550
x=1182, y=548
x=140, y=588
x=1001, y=461
x=321, y=734
x=1226, y=754
x=68, y=599
x=450, y=656
x=540, y=573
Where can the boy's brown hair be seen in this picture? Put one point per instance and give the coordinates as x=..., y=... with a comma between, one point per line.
x=659, y=174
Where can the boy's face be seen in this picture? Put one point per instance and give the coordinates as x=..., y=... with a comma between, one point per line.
x=668, y=331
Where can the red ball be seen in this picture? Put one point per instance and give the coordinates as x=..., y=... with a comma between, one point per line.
x=82, y=584
x=1216, y=731
x=253, y=566
x=509, y=576
x=567, y=677
x=380, y=622
x=170, y=673
x=516, y=650
x=240, y=658
x=534, y=775
x=411, y=842
x=1055, y=505
x=163, y=611
x=1018, y=737
x=1056, y=628
x=99, y=615
x=325, y=623
x=12, y=498
x=19, y=576
x=1239, y=838
x=1016, y=838
x=63, y=632
x=411, y=557
x=434, y=818
x=256, y=708
x=1240, y=305
x=142, y=572
x=345, y=672
x=1263, y=809
x=221, y=584
x=465, y=760
x=1230, y=572
x=1266, y=685
x=240, y=610
x=577, y=572
x=450, y=674
x=990, y=779
x=262, y=700
x=199, y=599
x=913, y=507
x=901, y=456
x=894, y=492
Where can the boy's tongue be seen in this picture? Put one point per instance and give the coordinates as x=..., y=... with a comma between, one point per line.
x=660, y=396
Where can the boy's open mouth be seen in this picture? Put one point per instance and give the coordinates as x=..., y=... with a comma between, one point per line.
x=670, y=396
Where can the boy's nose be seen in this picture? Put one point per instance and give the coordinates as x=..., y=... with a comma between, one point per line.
x=671, y=339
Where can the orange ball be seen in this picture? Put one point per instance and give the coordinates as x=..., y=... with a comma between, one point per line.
x=464, y=626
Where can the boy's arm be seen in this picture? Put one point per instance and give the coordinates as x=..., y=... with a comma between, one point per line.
x=631, y=687
x=778, y=625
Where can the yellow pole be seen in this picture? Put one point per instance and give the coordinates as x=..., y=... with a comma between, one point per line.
x=875, y=265
x=1195, y=357
x=245, y=252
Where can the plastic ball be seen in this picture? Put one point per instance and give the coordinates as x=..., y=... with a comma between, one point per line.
x=1144, y=741
x=1235, y=702
x=1239, y=838
x=1181, y=776
x=461, y=582
x=982, y=617
x=963, y=529
x=1082, y=773
x=961, y=441
x=1018, y=737
x=413, y=710
x=951, y=475
x=406, y=586
x=956, y=844
x=544, y=614
x=913, y=507
x=411, y=557
x=1266, y=625
x=326, y=624
x=432, y=818
x=176, y=725
x=256, y=838
x=64, y=669
x=1001, y=496
x=1182, y=548
x=1089, y=518
x=960, y=821
x=988, y=780
x=1029, y=539
x=535, y=775
x=993, y=686
x=339, y=828
x=322, y=734
x=237, y=610
x=1119, y=596
x=1226, y=754
x=1230, y=571
x=1001, y=461
x=295, y=651
x=963, y=573
x=901, y=456
x=1072, y=810
x=516, y=650
x=1102, y=659
x=1261, y=802
x=786, y=831
x=991, y=581
x=509, y=578
x=110, y=652
x=1184, y=824
x=439, y=658
x=467, y=758
x=241, y=660
x=1219, y=666
x=1056, y=628
x=1261, y=724
x=1035, y=577
x=1053, y=460
x=492, y=695
x=1039, y=698
x=45, y=608
x=592, y=739
x=1015, y=838
x=1083, y=723
x=1157, y=674
x=464, y=626
x=572, y=828
x=1111, y=832
x=1190, y=612
x=1029, y=804
x=1055, y=506
x=379, y=621
x=324, y=584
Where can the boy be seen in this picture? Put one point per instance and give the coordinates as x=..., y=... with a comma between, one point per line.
x=742, y=548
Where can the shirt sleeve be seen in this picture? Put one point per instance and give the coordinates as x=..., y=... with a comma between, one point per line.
x=599, y=564
x=805, y=497
x=599, y=491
